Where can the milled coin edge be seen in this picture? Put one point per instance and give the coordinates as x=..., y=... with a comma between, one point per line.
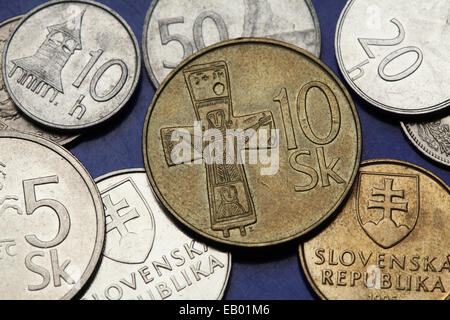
x=146, y=56
x=412, y=137
x=317, y=27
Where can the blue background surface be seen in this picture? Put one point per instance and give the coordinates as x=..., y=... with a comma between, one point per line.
x=272, y=273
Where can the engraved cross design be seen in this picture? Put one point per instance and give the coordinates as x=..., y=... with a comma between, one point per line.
x=388, y=204
x=230, y=201
x=118, y=221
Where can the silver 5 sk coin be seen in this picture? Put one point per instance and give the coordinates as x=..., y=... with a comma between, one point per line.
x=52, y=223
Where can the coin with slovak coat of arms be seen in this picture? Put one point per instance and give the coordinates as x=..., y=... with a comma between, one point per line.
x=390, y=240
x=146, y=256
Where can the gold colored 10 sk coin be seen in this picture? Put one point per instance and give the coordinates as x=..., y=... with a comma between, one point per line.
x=252, y=142
x=391, y=240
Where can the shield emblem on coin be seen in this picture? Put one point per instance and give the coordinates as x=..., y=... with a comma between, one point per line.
x=130, y=227
x=387, y=206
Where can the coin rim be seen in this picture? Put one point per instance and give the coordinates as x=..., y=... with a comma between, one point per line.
x=145, y=51
x=398, y=111
x=366, y=163
x=124, y=101
x=412, y=137
x=94, y=193
x=276, y=43
x=142, y=170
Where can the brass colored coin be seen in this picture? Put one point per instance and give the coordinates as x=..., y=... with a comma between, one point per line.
x=391, y=240
x=301, y=175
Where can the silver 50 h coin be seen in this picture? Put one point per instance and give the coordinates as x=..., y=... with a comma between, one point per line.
x=175, y=29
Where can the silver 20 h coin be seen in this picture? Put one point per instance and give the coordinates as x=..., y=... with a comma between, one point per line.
x=394, y=54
